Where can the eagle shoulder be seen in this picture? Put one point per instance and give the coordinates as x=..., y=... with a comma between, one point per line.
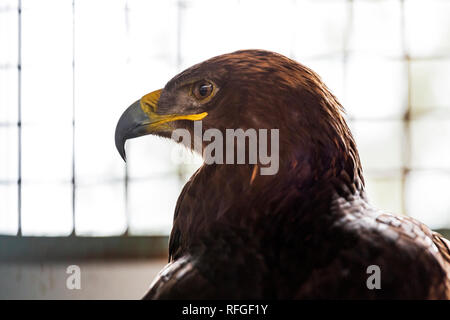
x=179, y=279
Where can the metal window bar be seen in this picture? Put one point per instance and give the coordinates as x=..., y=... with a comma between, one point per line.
x=19, y=118
x=73, y=120
x=407, y=114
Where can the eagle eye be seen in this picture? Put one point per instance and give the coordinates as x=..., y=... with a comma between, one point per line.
x=202, y=90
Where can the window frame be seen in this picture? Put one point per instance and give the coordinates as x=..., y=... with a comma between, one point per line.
x=44, y=249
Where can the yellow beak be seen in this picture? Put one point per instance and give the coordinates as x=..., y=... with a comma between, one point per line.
x=149, y=104
x=141, y=118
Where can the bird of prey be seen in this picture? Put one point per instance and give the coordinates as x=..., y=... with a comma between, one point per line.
x=306, y=232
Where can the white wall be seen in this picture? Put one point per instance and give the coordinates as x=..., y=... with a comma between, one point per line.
x=99, y=279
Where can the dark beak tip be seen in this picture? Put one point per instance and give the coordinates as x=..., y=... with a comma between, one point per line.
x=120, y=146
x=123, y=156
x=130, y=125
x=124, y=128
x=120, y=140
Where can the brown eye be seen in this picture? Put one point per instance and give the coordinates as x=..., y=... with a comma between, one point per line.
x=202, y=90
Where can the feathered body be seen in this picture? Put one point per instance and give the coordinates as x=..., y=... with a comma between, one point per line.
x=306, y=232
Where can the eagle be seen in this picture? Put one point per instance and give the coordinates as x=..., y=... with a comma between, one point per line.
x=306, y=232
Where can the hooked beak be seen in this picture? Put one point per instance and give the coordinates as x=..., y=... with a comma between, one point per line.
x=141, y=119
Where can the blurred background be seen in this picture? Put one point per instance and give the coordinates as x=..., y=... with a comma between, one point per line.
x=69, y=68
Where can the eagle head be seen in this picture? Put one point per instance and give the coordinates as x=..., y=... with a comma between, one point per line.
x=251, y=89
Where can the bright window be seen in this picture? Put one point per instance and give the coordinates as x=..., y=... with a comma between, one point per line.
x=69, y=68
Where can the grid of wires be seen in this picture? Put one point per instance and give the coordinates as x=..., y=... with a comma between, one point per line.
x=68, y=68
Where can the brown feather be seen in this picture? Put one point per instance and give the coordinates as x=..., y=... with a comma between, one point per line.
x=306, y=232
